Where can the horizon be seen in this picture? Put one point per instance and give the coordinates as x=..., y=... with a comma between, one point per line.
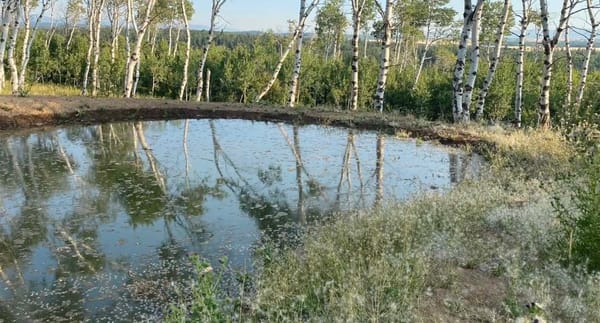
x=273, y=15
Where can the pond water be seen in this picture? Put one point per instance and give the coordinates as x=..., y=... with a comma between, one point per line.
x=98, y=222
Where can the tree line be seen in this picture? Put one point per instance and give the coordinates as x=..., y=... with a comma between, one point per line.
x=407, y=56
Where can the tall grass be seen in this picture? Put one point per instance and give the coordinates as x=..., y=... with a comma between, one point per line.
x=45, y=89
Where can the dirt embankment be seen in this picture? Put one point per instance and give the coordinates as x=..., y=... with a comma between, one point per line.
x=40, y=111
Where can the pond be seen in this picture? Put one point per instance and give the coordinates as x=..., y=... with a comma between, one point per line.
x=98, y=222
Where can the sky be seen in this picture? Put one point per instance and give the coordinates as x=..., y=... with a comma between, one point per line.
x=263, y=15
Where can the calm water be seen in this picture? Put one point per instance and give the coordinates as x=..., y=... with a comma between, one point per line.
x=98, y=223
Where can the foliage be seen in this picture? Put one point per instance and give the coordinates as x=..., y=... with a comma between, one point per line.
x=581, y=222
x=206, y=304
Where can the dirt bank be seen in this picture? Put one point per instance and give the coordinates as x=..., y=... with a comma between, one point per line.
x=39, y=111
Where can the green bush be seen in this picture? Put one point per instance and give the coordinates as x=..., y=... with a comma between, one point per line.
x=581, y=222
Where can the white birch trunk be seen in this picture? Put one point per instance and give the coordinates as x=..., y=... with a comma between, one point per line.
x=88, y=58
x=14, y=77
x=128, y=23
x=216, y=7
x=298, y=64
x=357, y=10
x=113, y=9
x=495, y=60
x=8, y=12
x=520, y=63
x=28, y=42
x=97, y=27
x=384, y=62
x=26, y=7
x=549, y=44
x=207, y=88
x=459, y=69
x=133, y=60
x=474, y=64
x=187, y=51
x=588, y=55
x=295, y=35
x=569, y=56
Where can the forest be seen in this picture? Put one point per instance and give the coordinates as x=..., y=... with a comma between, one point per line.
x=435, y=66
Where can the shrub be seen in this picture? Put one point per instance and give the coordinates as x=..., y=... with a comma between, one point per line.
x=581, y=222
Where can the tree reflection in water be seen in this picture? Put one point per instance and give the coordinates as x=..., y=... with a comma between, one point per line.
x=97, y=223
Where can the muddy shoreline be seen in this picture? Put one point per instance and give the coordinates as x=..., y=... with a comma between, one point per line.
x=44, y=111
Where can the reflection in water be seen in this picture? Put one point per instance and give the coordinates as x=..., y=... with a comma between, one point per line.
x=97, y=223
x=380, y=151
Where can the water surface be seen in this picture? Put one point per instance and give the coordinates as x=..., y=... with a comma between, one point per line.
x=98, y=222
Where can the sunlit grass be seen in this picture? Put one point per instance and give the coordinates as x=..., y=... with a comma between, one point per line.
x=45, y=89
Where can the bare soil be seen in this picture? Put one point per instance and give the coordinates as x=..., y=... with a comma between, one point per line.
x=41, y=111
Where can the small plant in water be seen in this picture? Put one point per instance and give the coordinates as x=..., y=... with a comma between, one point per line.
x=206, y=303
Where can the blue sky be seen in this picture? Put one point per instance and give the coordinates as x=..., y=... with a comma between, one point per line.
x=273, y=14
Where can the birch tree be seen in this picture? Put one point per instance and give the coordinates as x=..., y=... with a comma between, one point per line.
x=94, y=13
x=97, y=27
x=384, y=62
x=12, y=63
x=358, y=6
x=569, y=57
x=184, y=14
x=286, y=52
x=216, y=8
x=133, y=61
x=458, y=106
x=8, y=13
x=524, y=20
x=473, y=65
x=549, y=44
x=29, y=37
x=298, y=63
x=593, y=21
x=495, y=60
x=114, y=13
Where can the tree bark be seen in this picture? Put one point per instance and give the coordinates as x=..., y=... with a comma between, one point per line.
x=495, y=60
x=569, y=57
x=8, y=12
x=14, y=78
x=187, y=51
x=133, y=60
x=474, y=65
x=295, y=35
x=459, y=69
x=97, y=27
x=520, y=61
x=358, y=7
x=216, y=7
x=384, y=62
x=549, y=44
x=88, y=58
x=298, y=64
x=28, y=42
